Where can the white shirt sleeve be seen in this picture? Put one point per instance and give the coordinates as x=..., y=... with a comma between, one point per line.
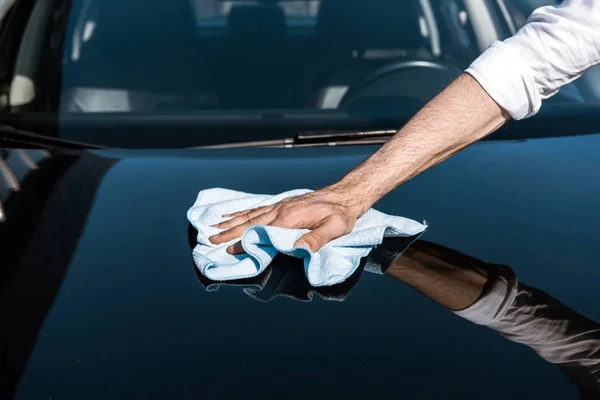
x=526, y=315
x=556, y=46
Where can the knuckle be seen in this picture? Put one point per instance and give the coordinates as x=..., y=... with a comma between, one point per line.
x=339, y=216
x=317, y=237
x=232, y=223
x=237, y=232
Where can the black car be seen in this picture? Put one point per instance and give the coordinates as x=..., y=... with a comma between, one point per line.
x=116, y=113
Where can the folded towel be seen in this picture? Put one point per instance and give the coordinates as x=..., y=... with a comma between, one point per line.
x=332, y=264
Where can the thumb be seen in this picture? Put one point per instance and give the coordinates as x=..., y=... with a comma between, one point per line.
x=319, y=237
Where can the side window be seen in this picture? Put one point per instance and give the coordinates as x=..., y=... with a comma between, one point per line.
x=31, y=37
x=13, y=19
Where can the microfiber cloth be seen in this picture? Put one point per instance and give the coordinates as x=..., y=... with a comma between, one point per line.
x=332, y=264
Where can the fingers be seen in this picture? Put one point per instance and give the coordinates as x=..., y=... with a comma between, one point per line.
x=238, y=230
x=252, y=210
x=320, y=236
x=243, y=217
x=237, y=213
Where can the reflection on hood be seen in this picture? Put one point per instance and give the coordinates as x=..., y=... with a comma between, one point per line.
x=520, y=313
x=44, y=219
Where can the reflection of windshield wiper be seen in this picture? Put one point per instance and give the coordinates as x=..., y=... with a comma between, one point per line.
x=20, y=138
x=316, y=138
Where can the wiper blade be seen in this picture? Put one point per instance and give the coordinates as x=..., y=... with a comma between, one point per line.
x=33, y=140
x=336, y=136
x=316, y=138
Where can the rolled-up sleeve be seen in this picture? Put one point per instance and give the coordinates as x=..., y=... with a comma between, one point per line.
x=556, y=46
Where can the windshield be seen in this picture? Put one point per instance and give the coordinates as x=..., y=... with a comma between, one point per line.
x=311, y=60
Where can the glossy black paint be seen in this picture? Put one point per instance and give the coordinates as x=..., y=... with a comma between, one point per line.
x=100, y=298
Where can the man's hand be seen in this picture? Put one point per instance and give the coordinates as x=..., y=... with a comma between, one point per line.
x=328, y=213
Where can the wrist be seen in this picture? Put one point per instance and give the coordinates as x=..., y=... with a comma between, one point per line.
x=351, y=195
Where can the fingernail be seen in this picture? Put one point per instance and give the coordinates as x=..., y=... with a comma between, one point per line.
x=215, y=225
x=230, y=249
x=214, y=237
x=226, y=215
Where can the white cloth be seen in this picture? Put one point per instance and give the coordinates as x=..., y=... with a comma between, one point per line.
x=556, y=46
x=332, y=264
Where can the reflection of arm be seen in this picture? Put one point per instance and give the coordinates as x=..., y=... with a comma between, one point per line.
x=491, y=295
x=449, y=278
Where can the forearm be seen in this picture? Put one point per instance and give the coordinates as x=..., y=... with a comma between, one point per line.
x=460, y=115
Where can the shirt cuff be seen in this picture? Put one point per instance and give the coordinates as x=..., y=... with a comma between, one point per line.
x=502, y=73
x=493, y=305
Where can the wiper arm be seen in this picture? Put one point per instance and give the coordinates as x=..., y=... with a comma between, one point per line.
x=33, y=140
x=316, y=138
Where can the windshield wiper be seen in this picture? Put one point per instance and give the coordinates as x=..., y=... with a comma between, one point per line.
x=315, y=138
x=26, y=139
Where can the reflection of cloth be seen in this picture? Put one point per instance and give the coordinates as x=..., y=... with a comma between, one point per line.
x=285, y=276
x=556, y=47
x=331, y=265
x=531, y=317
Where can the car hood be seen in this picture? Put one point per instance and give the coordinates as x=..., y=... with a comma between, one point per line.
x=100, y=297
